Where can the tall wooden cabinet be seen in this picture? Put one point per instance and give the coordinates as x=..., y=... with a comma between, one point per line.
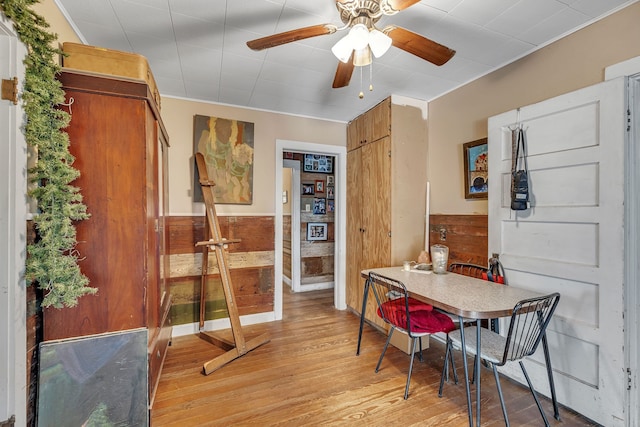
x=120, y=146
x=386, y=193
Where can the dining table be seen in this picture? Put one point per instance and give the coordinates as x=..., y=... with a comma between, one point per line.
x=470, y=299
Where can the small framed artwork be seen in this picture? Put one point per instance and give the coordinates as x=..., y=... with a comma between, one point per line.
x=308, y=189
x=476, y=169
x=318, y=163
x=330, y=180
x=330, y=192
x=331, y=206
x=316, y=231
x=319, y=186
x=319, y=206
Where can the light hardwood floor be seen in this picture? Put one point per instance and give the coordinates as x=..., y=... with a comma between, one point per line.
x=309, y=375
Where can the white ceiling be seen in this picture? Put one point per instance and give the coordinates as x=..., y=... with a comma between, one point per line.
x=197, y=50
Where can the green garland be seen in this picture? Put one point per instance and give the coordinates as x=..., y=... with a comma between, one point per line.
x=52, y=261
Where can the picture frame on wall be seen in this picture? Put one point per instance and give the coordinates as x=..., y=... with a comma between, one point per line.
x=319, y=206
x=316, y=231
x=318, y=163
x=331, y=205
x=330, y=192
x=308, y=189
x=476, y=169
x=330, y=180
x=319, y=186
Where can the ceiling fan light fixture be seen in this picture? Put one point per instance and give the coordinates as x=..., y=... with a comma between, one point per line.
x=379, y=42
x=359, y=35
x=342, y=49
x=362, y=57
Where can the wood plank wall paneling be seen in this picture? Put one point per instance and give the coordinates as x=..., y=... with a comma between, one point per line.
x=286, y=246
x=251, y=263
x=465, y=235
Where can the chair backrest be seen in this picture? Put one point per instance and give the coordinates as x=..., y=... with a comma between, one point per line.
x=391, y=298
x=529, y=321
x=400, y=310
x=467, y=269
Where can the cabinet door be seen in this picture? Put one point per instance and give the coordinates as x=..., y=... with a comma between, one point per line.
x=353, y=134
x=377, y=121
x=376, y=210
x=163, y=229
x=354, y=230
x=376, y=203
x=358, y=132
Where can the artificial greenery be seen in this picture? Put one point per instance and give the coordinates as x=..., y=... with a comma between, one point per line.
x=52, y=261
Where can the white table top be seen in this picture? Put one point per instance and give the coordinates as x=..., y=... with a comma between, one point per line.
x=457, y=294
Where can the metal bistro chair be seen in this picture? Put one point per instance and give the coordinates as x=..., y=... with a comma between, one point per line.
x=467, y=269
x=479, y=272
x=405, y=314
x=471, y=270
x=529, y=321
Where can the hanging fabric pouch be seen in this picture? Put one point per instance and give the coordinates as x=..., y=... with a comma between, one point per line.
x=519, y=174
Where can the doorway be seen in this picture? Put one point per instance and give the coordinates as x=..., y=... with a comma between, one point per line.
x=292, y=167
x=340, y=168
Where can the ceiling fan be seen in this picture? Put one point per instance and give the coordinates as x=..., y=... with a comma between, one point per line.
x=363, y=39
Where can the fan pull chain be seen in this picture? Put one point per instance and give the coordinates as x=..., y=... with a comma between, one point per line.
x=371, y=77
x=361, y=94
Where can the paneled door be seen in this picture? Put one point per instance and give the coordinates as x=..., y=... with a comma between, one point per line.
x=13, y=218
x=571, y=239
x=354, y=229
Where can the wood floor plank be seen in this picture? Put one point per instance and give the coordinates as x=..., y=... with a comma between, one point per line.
x=309, y=375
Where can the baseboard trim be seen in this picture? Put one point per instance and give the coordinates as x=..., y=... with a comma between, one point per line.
x=220, y=324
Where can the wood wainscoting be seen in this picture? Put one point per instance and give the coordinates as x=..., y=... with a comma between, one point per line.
x=465, y=235
x=251, y=261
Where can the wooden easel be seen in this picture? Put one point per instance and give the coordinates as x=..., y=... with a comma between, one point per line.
x=219, y=244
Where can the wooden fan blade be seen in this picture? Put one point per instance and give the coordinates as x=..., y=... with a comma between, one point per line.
x=343, y=73
x=399, y=5
x=291, y=36
x=419, y=46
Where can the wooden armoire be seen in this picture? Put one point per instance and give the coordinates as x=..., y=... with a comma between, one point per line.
x=120, y=147
x=386, y=193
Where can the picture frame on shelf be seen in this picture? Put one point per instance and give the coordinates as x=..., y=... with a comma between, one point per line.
x=476, y=169
x=308, y=189
x=319, y=206
x=316, y=231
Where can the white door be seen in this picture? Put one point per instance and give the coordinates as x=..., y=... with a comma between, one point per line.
x=13, y=215
x=571, y=240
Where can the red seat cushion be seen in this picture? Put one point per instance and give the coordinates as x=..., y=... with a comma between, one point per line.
x=423, y=318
